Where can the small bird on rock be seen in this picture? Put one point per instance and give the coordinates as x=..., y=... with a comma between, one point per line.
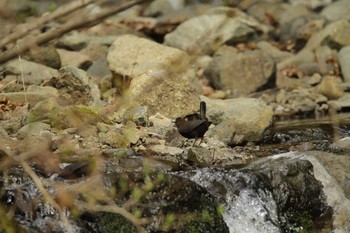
x=194, y=125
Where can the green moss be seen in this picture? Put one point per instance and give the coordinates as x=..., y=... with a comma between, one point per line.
x=114, y=223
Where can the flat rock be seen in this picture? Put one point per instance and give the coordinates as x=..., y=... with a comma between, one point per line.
x=247, y=116
x=158, y=76
x=336, y=10
x=335, y=35
x=33, y=73
x=206, y=33
x=344, y=61
x=241, y=72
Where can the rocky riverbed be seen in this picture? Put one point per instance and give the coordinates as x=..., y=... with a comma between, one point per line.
x=87, y=120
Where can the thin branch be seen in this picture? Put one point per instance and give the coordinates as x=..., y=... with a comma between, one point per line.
x=24, y=29
x=68, y=26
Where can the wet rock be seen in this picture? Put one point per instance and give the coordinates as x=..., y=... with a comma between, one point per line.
x=197, y=35
x=280, y=188
x=331, y=87
x=336, y=11
x=33, y=73
x=331, y=170
x=243, y=73
x=341, y=145
x=249, y=117
x=183, y=197
x=144, y=76
x=344, y=61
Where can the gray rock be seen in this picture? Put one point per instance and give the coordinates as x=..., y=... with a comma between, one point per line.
x=324, y=56
x=337, y=10
x=330, y=87
x=276, y=54
x=243, y=73
x=33, y=130
x=292, y=19
x=155, y=76
x=328, y=169
x=99, y=69
x=138, y=114
x=74, y=86
x=305, y=55
x=3, y=134
x=246, y=116
x=163, y=7
x=31, y=98
x=260, y=10
x=79, y=40
x=44, y=111
x=313, y=4
x=299, y=101
x=222, y=133
x=166, y=150
x=342, y=145
x=33, y=73
x=341, y=103
x=206, y=33
x=335, y=35
x=332, y=171
x=73, y=58
x=344, y=61
x=160, y=125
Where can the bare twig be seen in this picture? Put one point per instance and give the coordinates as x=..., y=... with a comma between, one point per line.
x=68, y=26
x=23, y=29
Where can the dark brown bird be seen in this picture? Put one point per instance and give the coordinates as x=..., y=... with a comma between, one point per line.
x=194, y=125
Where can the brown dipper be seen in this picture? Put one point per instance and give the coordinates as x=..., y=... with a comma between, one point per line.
x=194, y=125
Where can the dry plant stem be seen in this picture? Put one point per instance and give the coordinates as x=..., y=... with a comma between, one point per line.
x=68, y=26
x=22, y=77
x=23, y=29
x=46, y=195
x=113, y=208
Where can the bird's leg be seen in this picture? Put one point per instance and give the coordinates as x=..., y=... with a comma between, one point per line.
x=194, y=142
x=200, y=141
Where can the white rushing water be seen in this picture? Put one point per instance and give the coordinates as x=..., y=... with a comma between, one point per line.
x=246, y=209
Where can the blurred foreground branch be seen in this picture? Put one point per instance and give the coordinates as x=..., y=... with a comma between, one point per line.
x=66, y=27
